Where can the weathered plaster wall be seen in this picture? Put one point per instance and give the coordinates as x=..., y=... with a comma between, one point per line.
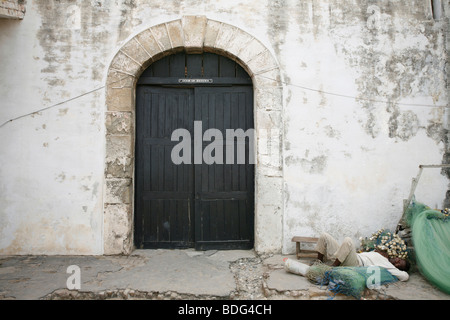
x=365, y=99
x=349, y=162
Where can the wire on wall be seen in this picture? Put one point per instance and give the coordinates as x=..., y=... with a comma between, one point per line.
x=285, y=83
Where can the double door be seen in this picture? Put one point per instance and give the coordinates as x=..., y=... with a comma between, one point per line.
x=186, y=192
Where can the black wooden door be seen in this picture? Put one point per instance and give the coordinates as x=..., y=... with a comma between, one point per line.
x=198, y=204
x=224, y=191
x=164, y=203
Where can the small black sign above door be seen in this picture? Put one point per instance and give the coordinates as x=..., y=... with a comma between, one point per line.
x=195, y=81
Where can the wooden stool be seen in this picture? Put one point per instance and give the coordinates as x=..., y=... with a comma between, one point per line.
x=304, y=253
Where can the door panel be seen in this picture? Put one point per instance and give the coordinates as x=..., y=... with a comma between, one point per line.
x=224, y=192
x=164, y=191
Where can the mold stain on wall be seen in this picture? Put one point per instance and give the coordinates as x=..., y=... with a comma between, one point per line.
x=397, y=58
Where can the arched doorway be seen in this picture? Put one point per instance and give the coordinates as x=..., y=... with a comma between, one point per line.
x=192, y=34
x=193, y=187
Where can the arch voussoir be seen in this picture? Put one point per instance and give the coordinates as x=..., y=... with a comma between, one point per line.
x=194, y=28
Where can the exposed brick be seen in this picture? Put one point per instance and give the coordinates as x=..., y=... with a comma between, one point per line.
x=12, y=9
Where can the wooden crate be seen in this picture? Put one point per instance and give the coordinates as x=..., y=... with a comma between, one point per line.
x=304, y=253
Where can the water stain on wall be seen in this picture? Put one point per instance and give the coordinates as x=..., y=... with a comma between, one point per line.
x=389, y=72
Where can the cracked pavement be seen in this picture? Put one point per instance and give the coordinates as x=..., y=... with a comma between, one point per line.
x=177, y=274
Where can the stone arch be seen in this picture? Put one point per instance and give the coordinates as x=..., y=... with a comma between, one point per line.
x=194, y=34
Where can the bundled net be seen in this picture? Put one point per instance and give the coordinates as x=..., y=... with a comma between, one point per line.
x=317, y=273
x=431, y=239
x=351, y=281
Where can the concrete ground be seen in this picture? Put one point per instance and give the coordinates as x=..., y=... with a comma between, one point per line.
x=177, y=275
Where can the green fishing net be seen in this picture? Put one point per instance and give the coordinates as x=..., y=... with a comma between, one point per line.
x=430, y=231
x=350, y=281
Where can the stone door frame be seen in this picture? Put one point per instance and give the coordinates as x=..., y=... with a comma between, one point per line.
x=193, y=34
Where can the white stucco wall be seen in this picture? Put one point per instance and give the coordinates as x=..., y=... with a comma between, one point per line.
x=364, y=101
